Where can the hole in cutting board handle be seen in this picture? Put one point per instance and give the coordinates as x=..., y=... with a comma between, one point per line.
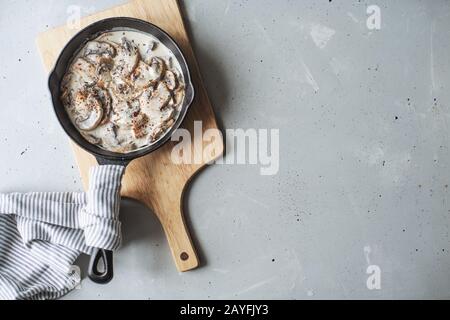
x=184, y=256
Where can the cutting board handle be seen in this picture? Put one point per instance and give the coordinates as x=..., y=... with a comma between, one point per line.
x=180, y=242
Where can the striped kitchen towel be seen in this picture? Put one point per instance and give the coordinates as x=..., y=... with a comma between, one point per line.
x=42, y=233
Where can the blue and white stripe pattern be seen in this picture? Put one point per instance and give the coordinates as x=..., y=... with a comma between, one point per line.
x=42, y=233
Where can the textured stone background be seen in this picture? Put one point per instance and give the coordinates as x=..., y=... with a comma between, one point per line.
x=364, y=150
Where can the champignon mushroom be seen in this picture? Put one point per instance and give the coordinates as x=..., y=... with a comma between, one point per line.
x=153, y=101
x=123, y=90
x=139, y=125
x=126, y=59
x=167, y=114
x=92, y=139
x=85, y=71
x=110, y=140
x=158, y=67
x=162, y=94
x=124, y=112
x=89, y=111
x=152, y=46
x=105, y=99
x=100, y=48
x=170, y=79
x=178, y=95
x=159, y=129
x=145, y=75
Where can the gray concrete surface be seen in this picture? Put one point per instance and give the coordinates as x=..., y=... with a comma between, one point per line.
x=364, y=150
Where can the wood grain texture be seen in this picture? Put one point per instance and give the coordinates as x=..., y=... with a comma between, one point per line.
x=154, y=179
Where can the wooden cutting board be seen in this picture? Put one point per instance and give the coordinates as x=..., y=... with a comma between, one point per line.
x=154, y=179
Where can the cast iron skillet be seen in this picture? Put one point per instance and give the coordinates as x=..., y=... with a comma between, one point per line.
x=107, y=157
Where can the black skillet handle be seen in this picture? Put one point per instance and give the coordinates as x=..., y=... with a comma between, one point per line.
x=105, y=275
x=106, y=256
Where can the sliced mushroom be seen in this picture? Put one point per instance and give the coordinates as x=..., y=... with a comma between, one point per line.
x=157, y=65
x=178, y=95
x=167, y=114
x=169, y=123
x=104, y=37
x=155, y=133
x=105, y=99
x=145, y=75
x=66, y=82
x=129, y=146
x=170, y=79
x=139, y=125
x=89, y=111
x=110, y=140
x=101, y=54
x=102, y=63
x=162, y=94
x=152, y=46
x=100, y=48
x=92, y=139
x=153, y=101
x=85, y=71
x=126, y=59
x=145, y=98
x=124, y=112
x=66, y=98
x=124, y=89
x=158, y=130
x=104, y=77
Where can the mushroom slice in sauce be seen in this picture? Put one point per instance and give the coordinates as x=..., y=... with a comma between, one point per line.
x=124, y=112
x=100, y=62
x=126, y=59
x=178, y=95
x=140, y=125
x=152, y=46
x=145, y=75
x=158, y=66
x=170, y=79
x=121, y=89
x=105, y=99
x=101, y=55
x=162, y=94
x=92, y=139
x=104, y=77
x=109, y=137
x=167, y=114
x=89, y=111
x=155, y=133
x=85, y=71
x=100, y=48
x=159, y=129
x=152, y=101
